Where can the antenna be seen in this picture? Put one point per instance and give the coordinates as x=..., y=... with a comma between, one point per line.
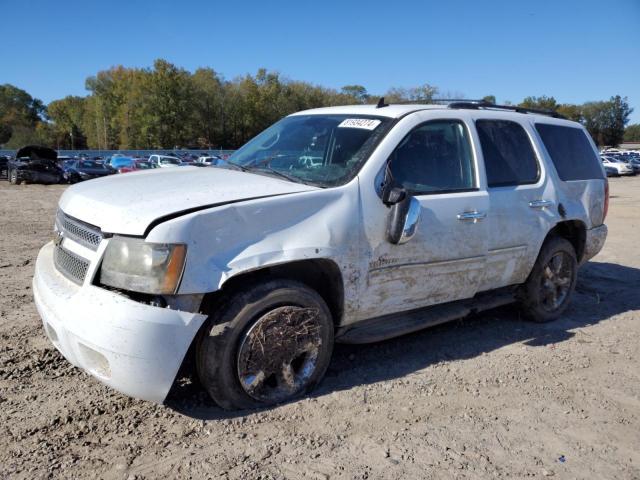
x=381, y=103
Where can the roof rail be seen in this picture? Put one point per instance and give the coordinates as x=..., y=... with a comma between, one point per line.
x=478, y=104
x=463, y=103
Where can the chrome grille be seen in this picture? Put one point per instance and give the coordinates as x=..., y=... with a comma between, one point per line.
x=70, y=265
x=85, y=234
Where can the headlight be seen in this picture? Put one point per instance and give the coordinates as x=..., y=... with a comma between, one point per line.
x=139, y=266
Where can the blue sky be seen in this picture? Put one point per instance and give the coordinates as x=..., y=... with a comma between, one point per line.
x=574, y=50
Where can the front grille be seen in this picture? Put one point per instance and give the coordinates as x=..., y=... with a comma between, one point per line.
x=70, y=265
x=85, y=234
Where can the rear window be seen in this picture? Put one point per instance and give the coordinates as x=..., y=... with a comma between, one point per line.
x=570, y=152
x=509, y=158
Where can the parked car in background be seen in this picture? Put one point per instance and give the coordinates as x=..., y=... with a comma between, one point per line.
x=78, y=170
x=341, y=224
x=113, y=157
x=621, y=167
x=209, y=161
x=34, y=164
x=165, y=161
x=630, y=159
x=119, y=162
x=611, y=171
x=4, y=160
x=136, y=164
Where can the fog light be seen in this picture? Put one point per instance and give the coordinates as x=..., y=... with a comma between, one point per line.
x=95, y=361
x=53, y=336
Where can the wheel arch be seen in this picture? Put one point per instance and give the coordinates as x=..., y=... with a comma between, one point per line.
x=575, y=231
x=322, y=275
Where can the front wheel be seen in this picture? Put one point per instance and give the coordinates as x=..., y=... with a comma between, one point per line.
x=547, y=292
x=267, y=344
x=13, y=177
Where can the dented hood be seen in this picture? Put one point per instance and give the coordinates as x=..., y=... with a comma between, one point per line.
x=129, y=203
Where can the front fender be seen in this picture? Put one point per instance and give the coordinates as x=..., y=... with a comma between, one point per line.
x=228, y=240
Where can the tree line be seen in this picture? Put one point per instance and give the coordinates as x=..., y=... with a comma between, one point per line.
x=167, y=106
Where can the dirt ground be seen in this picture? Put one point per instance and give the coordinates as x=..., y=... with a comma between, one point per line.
x=485, y=397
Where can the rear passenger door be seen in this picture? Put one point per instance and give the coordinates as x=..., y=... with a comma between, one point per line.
x=522, y=202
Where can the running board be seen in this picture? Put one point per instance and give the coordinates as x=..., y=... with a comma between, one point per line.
x=389, y=326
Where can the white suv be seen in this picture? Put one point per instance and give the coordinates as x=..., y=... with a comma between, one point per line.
x=351, y=224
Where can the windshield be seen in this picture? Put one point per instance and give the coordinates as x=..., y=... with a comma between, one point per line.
x=323, y=150
x=143, y=165
x=173, y=161
x=90, y=164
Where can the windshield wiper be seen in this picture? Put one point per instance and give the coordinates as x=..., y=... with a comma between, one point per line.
x=265, y=168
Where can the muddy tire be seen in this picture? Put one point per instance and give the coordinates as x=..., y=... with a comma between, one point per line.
x=548, y=290
x=13, y=177
x=266, y=344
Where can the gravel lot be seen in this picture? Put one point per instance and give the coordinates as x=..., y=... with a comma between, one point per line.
x=489, y=396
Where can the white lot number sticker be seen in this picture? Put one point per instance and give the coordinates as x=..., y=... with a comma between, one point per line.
x=366, y=123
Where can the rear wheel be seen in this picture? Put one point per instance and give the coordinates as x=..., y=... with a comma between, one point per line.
x=547, y=292
x=264, y=345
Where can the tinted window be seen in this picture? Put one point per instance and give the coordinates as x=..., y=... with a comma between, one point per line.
x=434, y=157
x=509, y=158
x=570, y=152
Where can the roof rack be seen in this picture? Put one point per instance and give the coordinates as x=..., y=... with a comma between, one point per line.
x=462, y=103
x=478, y=104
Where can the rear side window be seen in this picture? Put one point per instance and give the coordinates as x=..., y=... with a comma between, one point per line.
x=509, y=158
x=570, y=152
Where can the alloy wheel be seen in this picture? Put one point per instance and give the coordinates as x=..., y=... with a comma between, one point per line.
x=278, y=355
x=556, y=281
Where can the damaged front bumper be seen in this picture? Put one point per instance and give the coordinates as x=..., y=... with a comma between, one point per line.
x=594, y=242
x=130, y=346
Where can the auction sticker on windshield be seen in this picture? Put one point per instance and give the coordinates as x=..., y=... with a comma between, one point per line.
x=366, y=123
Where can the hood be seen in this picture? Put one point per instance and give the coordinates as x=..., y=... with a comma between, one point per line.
x=36, y=152
x=129, y=203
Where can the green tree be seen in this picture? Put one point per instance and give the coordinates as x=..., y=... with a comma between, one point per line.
x=489, y=99
x=358, y=92
x=632, y=133
x=540, y=103
x=68, y=118
x=424, y=93
x=606, y=121
x=20, y=114
x=571, y=112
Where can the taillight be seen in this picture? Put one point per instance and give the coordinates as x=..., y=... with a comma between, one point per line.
x=606, y=199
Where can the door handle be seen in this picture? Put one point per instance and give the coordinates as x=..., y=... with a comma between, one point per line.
x=474, y=216
x=540, y=203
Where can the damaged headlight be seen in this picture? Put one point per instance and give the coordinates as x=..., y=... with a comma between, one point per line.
x=139, y=266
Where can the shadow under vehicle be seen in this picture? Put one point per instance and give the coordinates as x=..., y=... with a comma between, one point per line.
x=34, y=164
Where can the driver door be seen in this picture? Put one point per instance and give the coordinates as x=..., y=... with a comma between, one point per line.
x=445, y=260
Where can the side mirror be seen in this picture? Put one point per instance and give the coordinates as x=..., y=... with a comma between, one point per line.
x=404, y=216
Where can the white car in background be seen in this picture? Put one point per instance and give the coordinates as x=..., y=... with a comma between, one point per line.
x=209, y=160
x=165, y=161
x=621, y=167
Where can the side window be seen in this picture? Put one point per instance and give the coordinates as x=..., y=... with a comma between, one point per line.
x=570, y=152
x=434, y=157
x=509, y=158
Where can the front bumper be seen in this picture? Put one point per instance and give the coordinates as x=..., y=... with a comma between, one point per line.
x=132, y=347
x=594, y=242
